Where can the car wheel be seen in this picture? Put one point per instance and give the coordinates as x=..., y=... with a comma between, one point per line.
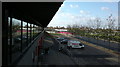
x=70, y=47
x=82, y=47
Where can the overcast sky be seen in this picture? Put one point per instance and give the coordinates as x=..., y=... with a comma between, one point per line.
x=80, y=12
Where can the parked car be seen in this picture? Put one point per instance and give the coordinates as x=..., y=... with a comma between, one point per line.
x=78, y=37
x=18, y=38
x=74, y=44
x=24, y=37
x=65, y=41
x=60, y=39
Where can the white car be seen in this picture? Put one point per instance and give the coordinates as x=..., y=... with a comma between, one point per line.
x=74, y=44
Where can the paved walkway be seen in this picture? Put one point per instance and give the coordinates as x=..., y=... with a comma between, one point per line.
x=27, y=58
x=56, y=58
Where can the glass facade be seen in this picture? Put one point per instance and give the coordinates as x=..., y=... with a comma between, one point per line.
x=29, y=37
x=32, y=33
x=20, y=35
x=9, y=40
x=24, y=35
x=16, y=38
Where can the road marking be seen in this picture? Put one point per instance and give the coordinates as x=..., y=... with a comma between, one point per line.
x=103, y=49
x=112, y=59
x=98, y=47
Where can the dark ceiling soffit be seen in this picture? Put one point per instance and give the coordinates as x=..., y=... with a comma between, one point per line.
x=31, y=16
x=20, y=16
x=24, y=18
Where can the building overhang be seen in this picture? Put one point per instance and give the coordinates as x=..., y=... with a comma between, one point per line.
x=38, y=13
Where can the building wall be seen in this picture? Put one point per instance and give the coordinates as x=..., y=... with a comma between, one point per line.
x=0, y=34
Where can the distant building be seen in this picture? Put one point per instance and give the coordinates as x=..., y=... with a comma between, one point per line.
x=23, y=30
x=66, y=33
x=28, y=28
x=61, y=30
x=49, y=30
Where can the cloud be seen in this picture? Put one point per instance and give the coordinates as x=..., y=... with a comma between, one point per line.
x=110, y=0
x=62, y=5
x=92, y=0
x=104, y=8
x=84, y=12
x=66, y=18
x=81, y=11
x=74, y=6
x=92, y=18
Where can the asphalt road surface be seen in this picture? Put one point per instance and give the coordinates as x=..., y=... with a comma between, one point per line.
x=106, y=44
x=92, y=56
x=86, y=56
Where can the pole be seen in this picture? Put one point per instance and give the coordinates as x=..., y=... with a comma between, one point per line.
x=21, y=34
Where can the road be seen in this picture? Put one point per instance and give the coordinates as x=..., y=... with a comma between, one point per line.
x=106, y=44
x=87, y=56
x=92, y=56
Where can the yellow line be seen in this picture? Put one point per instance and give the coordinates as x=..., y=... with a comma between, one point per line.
x=112, y=59
x=99, y=47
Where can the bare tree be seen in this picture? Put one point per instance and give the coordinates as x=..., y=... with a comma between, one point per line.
x=90, y=23
x=98, y=23
x=69, y=27
x=111, y=25
x=111, y=22
x=75, y=26
x=97, y=27
x=91, y=27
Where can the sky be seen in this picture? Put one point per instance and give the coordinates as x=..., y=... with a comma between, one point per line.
x=72, y=12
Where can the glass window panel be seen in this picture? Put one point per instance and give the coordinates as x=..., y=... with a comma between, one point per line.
x=8, y=39
x=24, y=36
x=39, y=29
x=29, y=33
x=32, y=31
x=16, y=38
x=35, y=31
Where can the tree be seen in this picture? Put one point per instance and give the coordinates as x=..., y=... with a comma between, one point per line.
x=98, y=23
x=110, y=21
x=90, y=23
x=70, y=29
x=90, y=26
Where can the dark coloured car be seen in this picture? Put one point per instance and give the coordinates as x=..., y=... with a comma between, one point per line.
x=78, y=37
x=24, y=37
x=65, y=41
x=60, y=39
x=18, y=38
